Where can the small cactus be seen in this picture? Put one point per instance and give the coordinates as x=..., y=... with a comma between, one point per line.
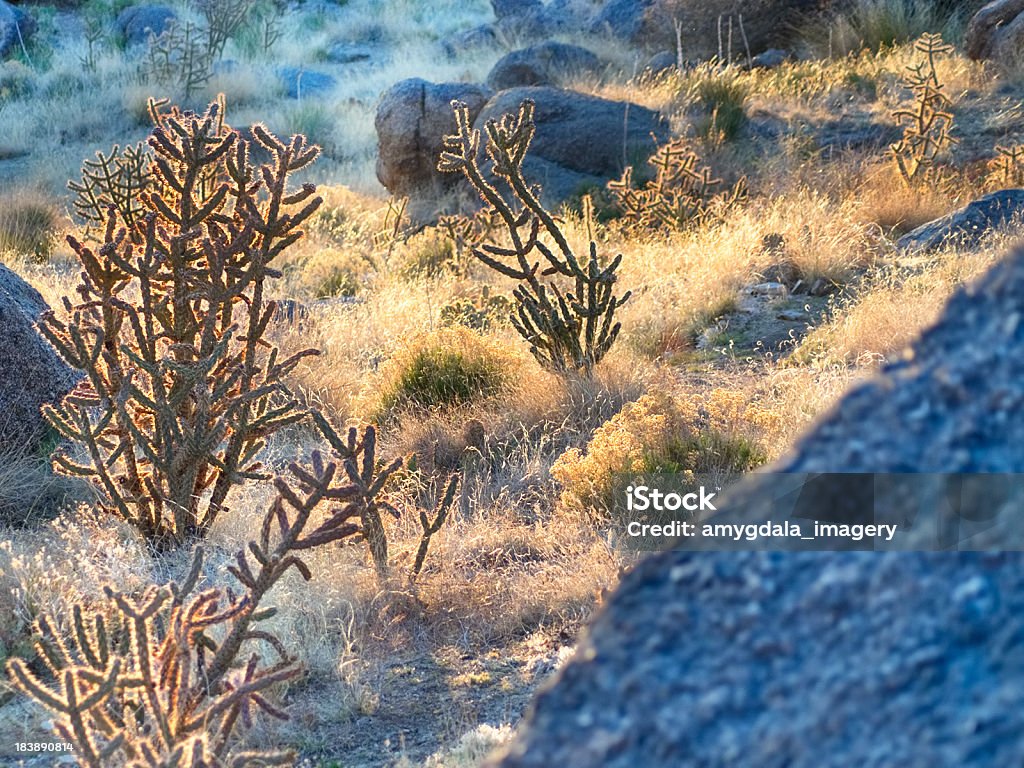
x=568, y=320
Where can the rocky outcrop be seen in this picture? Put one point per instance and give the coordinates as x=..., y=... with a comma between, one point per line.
x=996, y=31
x=412, y=120
x=968, y=226
x=32, y=373
x=547, y=63
x=829, y=659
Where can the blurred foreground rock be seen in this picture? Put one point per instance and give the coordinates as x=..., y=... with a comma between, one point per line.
x=828, y=659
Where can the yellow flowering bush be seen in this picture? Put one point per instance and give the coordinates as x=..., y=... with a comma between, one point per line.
x=658, y=434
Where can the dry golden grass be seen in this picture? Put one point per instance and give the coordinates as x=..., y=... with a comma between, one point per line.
x=519, y=557
x=891, y=310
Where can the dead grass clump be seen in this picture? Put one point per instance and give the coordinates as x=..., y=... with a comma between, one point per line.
x=889, y=312
x=879, y=24
x=31, y=492
x=29, y=225
x=896, y=208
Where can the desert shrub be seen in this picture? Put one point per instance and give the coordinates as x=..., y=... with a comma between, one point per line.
x=1007, y=168
x=314, y=120
x=28, y=226
x=180, y=389
x=928, y=123
x=658, y=434
x=30, y=491
x=466, y=233
x=723, y=96
x=428, y=254
x=879, y=24
x=682, y=193
x=180, y=58
x=444, y=369
x=568, y=321
x=16, y=80
x=339, y=281
x=260, y=30
x=480, y=313
x=224, y=19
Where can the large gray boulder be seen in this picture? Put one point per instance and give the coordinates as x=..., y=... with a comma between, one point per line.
x=548, y=63
x=136, y=23
x=412, y=120
x=969, y=225
x=828, y=659
x=651, y=23
x=16, y=27
x=31, y=373
x=581, y=133
x=520, y=18
x=996, y=32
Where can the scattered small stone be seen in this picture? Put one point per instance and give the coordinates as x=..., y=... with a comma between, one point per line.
x=792, y=315
x=770, y=59
x=302, y=83
x=773, y=290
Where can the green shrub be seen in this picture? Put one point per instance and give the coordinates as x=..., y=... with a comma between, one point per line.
x=429, y=254
x=706, y=435
x=445, y=369
x=724, y=100
x=338, y=282
x=480, y=313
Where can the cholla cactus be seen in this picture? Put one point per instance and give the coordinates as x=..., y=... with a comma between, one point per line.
x=119, y=180
x=682, y=193
x=569, y=321
x=181, y=389
x=927, y=127
x=1007, y=167
x=165, y=678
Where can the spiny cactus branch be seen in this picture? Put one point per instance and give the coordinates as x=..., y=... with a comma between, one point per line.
x=172, y=674
x=181, y=390
x=569, y=329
